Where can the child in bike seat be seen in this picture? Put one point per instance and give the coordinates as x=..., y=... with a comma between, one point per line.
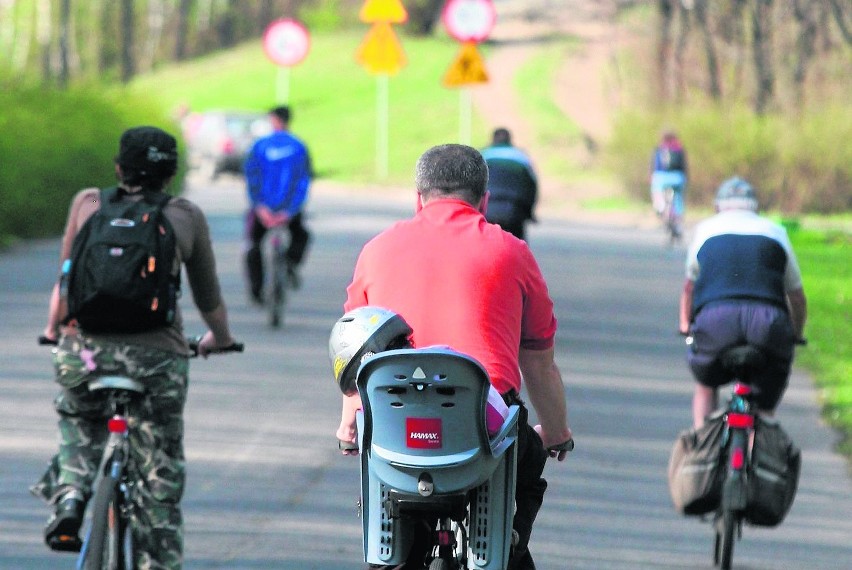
x=366, y=331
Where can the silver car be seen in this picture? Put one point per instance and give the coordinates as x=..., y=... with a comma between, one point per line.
x=220, y=140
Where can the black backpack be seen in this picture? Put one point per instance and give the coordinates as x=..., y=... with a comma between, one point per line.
x=120, y=279
x=672, y=159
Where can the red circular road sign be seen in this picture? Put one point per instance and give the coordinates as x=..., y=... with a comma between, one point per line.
x=286, y=42
x=469, y=20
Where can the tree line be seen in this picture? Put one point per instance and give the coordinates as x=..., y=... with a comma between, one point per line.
x=753, y=44
x=60, y=41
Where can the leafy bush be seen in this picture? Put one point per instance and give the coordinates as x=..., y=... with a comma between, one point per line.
x=55, y=143
x=798, y=164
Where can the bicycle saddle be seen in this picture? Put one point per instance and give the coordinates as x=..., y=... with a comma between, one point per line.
x=743, y=358
x=116, y=383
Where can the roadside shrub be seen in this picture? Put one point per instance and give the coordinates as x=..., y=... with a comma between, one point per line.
x=799, y=164
x=55, y=143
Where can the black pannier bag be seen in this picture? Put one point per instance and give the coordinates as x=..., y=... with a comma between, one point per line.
x=696, y=468
x=774, y=477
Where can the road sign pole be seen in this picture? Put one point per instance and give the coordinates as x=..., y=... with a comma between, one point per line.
x=382, y=122
x=465, y=116
x=286, y=42
x=282, y=86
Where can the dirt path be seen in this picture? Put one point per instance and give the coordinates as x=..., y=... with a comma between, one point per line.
x=581, y=88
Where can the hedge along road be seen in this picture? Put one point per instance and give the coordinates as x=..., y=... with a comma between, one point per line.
x=267, y=487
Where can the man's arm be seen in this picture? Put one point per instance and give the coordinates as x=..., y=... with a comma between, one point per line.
x=798, y=310
x=347, y=431
x=219, y=335
x=547, y=395
x=253, y=175
x=686, y=306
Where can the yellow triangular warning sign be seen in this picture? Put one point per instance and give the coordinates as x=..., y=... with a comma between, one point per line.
x=467, y=68
x=391, y=11
x=381, y=52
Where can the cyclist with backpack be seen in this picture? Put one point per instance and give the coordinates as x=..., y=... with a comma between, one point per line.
x=114, y=311
x=669, y=169
x=743, y=286
x=278, y=174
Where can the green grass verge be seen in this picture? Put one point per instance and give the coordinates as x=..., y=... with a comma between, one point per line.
x=825, y=258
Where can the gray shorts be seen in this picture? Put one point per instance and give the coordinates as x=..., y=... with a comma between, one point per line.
x=720, y=326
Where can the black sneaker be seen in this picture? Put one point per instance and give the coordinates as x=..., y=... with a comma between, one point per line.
x=62, y=528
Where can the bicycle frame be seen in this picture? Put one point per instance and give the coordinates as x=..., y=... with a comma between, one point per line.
x=740, y=420
x=279, y=271
x=112, y=501
x=109, y=529
x=671, y=213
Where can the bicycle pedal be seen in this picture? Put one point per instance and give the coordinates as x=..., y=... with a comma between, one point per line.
x=65, y=543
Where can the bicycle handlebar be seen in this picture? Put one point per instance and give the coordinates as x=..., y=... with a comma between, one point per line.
x=192, y=341
x=564, y=446
x=195, y=340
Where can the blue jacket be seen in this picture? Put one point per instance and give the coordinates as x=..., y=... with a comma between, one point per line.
x=278, y=173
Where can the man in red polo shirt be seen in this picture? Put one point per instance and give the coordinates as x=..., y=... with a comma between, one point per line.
x=459, y=281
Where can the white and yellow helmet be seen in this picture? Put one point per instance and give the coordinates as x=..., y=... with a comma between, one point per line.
x=359, y=334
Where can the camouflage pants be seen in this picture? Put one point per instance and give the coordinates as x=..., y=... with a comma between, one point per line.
x=156, y=466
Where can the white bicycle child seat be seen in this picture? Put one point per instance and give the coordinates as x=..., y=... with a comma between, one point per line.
x=425, y=451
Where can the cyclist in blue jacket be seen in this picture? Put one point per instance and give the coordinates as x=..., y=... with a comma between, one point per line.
x=278, y=174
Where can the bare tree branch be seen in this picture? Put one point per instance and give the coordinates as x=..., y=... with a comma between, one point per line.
x=128, y=60
x=805, y=14
x=840, y=17
x=762, y=50
x=714, y=84
x=681, y=47
x=664, y=47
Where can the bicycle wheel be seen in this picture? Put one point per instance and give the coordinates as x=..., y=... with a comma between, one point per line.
x=724, y=547
x=278, y=298
x=104, y=550
x=439, y=564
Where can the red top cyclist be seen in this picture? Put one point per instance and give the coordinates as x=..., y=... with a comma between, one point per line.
x=460, y=281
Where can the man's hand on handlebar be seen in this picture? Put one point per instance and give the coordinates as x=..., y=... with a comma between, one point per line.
x=560, y=449
x=270, y=219
x=347, y=439
x=48, y=341
x=206, y=345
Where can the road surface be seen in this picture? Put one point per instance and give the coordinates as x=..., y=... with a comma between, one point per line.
x=267, y=488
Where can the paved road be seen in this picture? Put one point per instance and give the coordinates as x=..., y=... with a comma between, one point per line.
x=268, y=490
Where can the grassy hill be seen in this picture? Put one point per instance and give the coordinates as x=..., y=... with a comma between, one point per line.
x=334, y=100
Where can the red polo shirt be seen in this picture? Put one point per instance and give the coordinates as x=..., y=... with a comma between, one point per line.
x=459, y=281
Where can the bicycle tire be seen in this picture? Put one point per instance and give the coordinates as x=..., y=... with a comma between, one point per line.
x=103, y=551
x=726, y=539
x=439, y=564
x=278, y=298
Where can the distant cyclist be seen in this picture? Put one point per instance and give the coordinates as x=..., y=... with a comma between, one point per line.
x=278, y=175
x=669, y=169
x=743, y=286
x=512, y=184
